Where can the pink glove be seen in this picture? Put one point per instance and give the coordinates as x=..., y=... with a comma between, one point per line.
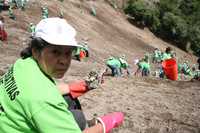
x=111, y=121
x=78, y=88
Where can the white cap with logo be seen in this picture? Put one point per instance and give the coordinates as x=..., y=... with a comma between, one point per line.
x=56, y=31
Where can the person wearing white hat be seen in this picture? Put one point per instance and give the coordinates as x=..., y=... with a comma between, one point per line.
x=31, y=101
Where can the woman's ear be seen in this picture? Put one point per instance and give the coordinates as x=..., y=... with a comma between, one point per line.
x=35, y=54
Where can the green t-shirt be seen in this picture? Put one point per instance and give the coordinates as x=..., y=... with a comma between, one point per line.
x=31, y=103
x=166, y=56
x=145, y=65
x=113, y=62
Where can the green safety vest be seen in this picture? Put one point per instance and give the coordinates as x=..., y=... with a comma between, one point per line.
x=31, y=103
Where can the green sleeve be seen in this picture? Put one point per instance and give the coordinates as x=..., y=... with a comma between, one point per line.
x=140, y=65
x=55, y=119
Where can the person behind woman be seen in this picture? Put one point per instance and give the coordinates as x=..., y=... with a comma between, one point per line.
x=3, y=33
x=143, y=67
x=167, y=54
x=30, y=99
x=116, y=64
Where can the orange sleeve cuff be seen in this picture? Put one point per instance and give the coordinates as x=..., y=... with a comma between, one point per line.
x=78, y=88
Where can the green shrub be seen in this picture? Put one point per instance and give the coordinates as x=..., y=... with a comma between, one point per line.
x=143, y=13
x=177, y=20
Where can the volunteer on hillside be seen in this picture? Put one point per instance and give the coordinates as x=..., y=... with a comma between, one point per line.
x=116, y=64
x=167, y=54
x=3, y=33
x=30, y=99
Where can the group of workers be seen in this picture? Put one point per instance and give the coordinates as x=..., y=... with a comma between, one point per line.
x=20, y=4
x=25, y=105
x=158, y=56
x=185, y=70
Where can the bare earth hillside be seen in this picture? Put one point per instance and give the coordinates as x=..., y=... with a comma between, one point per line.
x=150, y=105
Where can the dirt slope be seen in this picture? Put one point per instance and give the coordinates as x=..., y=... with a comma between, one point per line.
x=150, y=105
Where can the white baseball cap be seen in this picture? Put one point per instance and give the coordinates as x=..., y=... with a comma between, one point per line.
x=56, y=31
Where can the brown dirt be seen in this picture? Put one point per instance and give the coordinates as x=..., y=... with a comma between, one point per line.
x=150, y=105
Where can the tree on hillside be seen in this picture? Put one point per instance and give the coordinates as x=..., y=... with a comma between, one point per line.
x=174, y=27
x=191, y=13
x=144, y=13
x=169, y=6
x=177, y=20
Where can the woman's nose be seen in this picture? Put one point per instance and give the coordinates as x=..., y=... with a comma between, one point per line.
x=64, y=60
